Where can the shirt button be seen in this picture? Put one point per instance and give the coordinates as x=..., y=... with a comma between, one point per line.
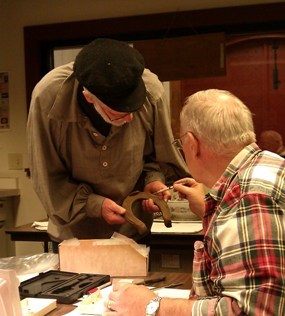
x=104, y=147
x=105, y=164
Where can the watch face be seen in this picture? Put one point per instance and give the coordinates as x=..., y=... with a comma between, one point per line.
x=152, y=307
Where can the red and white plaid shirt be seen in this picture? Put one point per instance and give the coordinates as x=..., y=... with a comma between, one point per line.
x=239, y=269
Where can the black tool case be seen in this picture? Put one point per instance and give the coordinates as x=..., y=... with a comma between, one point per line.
x=65, y=287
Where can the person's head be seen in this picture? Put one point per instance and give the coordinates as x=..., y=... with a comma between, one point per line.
x=270, y=140
x=111, y=73
x=108, y=114
x=217, y=124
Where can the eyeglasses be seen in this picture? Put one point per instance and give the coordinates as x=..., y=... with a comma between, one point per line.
x=178, y=142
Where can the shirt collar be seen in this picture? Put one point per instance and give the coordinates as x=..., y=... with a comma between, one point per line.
x=240, y=161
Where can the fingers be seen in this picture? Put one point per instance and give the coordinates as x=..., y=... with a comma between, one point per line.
x=149, y=206
x=165, y=196
x=110, y=309
x=186, y=182
x=118, y=285
x=109, y=304
x=117, y=288
x=182, y=186
x=112, y=212
x=119, y=210
x=114, y=218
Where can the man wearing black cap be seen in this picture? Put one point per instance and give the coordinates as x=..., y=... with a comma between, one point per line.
x=99, y=129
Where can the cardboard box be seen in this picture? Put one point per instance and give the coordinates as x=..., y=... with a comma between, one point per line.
x=115, y=257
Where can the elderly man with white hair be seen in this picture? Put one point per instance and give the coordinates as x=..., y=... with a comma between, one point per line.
x=239, y=268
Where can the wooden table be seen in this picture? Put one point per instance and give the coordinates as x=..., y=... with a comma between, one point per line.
x=158, y=240
x=28, y=233
x=170, y=278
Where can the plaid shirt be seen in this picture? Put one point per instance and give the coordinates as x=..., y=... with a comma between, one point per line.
x=239, y=269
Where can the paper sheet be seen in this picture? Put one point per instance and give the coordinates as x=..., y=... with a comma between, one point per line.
x=43, y=226
x=98, y=308
x=177, y=227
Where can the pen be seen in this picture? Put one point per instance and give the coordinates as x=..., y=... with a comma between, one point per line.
x=151, y=281
x=98, y=288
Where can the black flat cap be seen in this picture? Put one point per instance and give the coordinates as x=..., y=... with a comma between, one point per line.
x=112, y=71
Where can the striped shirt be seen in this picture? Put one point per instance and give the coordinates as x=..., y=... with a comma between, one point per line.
x=239, y=268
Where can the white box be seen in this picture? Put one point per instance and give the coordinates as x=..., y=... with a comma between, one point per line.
x=180, y=211
x=37, y=306
x=104, y=256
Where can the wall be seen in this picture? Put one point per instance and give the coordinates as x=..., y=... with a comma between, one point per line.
x=250, y=67
x=14, y=15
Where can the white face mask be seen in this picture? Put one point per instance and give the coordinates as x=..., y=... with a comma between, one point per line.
x=118, y=122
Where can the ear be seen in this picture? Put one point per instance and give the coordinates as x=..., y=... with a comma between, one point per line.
x=87, y=97
x=194, y=144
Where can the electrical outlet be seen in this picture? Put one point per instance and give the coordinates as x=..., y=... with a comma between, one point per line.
x=15, y=161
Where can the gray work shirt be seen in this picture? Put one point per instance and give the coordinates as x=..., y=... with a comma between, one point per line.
x=74, y=167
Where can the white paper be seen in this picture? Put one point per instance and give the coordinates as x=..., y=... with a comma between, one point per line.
x=37, y=306
x=97, y=309
x=173, y=293
x=177, y=227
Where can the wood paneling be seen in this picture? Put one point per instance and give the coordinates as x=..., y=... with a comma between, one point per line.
x=250, y=76
x=185, y=57
x=41, y=39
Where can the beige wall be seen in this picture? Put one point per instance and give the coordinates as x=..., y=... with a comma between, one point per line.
x=14, y=15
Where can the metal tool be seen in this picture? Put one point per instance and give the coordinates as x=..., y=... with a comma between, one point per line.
x=163, y=190
x=167, y=188
x=152, y=281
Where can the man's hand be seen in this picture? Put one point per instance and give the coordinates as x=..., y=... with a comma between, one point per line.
x=128, y=299
x=112, y=212
x=152, y=187
x=194, y=192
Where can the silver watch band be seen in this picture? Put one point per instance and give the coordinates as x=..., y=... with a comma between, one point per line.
x=153, y=306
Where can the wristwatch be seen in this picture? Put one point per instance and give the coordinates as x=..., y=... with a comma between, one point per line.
x=153, y=306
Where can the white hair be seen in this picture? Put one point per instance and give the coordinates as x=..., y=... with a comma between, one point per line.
x=218, y=117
